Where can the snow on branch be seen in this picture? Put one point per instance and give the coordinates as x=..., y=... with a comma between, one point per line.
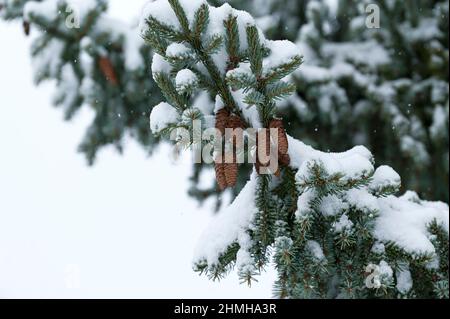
x=322, y=217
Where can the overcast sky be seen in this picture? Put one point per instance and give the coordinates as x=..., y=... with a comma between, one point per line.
x=124, y=228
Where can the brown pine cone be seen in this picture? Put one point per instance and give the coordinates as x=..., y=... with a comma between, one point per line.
x=283, y=145
x=220, y=175
x=266, y=140
x=26, y=27
x=282, y=137
x=231, y=166
x=259, y=162
x=222, y=120
x=284, y=159
x=276, y=123
x=231, y=174
x=235, y=122
x=107, y=69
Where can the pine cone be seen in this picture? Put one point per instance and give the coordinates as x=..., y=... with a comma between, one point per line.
x=282, y=137
x=283, y=145
x=283, y=156
x=220, y=175
x=26, y=27
x=267, y=147
x=108, y=70
x=234, y=122
x=231, y=174
x=227, y=173
x=276, y=123
x=284, y=159
x=231, y=169
x=222, y=120
x=259, y=163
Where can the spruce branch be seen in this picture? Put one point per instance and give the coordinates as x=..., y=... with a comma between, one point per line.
x=158, y=28
x=276, y=74
x=170, y=92
x=254, y=98
x=232, y=41
x=280, y=90
x=201, y=21
x=254, y=50
x=181, y=16
x=318, y=222
x=213, y=44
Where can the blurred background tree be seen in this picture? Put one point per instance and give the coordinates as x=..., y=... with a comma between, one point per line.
x=95, y=61
x=386, y=88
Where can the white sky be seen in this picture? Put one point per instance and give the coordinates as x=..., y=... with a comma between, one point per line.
x=124, y=228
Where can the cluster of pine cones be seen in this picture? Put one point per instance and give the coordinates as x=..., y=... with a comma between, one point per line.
x=227, y=173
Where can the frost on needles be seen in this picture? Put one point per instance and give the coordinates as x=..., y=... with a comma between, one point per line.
x=331, y=222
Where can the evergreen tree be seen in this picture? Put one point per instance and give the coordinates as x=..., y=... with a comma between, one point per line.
x=386, y=88
x=331, y=229
x=95, y=61
x=329, y=221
